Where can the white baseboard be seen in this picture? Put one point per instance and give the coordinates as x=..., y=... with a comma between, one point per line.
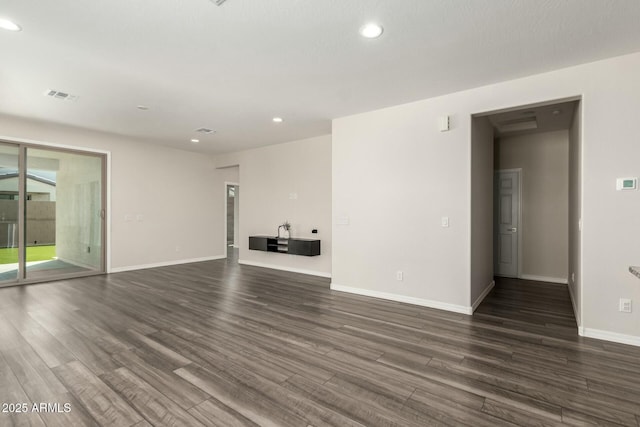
x=575, y=308
x=561, y=280
x=164, y=264
x=402, y=298
x=482, y=296
x=283, y=268
x=609, y=336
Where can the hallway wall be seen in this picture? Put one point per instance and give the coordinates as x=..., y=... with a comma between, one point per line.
x=544, y=159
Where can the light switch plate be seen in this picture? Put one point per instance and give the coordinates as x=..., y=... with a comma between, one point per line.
x=625, y=305
x=444, y=222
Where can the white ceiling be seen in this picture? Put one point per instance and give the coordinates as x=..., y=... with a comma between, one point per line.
x=234, y=67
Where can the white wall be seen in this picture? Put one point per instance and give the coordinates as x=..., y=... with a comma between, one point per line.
x=575, y=211
x=544, y=200
x=170, y=189
x=398, y=175
x=269, y=178
x=481, y=209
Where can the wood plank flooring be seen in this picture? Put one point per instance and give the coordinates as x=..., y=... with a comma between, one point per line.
x=217, y=344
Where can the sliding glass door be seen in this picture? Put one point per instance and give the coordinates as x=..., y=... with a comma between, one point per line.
x=9, y=212
x=53, y=225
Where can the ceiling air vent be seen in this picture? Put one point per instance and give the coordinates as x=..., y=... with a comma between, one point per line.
x=518, y=125
x=206, y=130
x=56, y=94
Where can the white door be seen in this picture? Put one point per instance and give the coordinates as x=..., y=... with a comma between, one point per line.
x=507, y=214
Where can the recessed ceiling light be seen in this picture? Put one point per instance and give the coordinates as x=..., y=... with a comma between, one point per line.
x=371, y=31
x=195, y=141
x=278, y=120
x=5, y=24
x=142, y=107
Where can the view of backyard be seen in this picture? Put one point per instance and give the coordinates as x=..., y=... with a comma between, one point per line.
x=34, y=253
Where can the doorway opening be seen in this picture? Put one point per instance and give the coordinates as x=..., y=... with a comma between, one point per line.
x=526, y=184
x=232, y=217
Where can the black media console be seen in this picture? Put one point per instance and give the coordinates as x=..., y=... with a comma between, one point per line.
x=307, y=247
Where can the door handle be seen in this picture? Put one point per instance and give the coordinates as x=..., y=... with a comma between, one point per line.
x=513, y=230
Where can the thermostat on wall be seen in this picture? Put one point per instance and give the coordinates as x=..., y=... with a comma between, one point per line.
x=626, y=184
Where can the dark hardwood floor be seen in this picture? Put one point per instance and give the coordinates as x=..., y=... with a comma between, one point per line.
x=217, y=344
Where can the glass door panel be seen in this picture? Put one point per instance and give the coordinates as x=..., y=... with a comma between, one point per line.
x=63, y=213
x=9, y=204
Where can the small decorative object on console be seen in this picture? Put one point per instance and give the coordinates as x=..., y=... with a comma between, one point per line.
x=285, y=226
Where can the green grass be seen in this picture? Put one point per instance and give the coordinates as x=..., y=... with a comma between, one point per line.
x=34, y=253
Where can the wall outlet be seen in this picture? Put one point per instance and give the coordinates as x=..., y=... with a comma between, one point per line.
x=178, y=248
x=444, y=221
x=625, y=305
x=399, y=275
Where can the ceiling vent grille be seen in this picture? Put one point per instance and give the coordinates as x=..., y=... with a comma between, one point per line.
x=518, y=125
x=206, y=130
x=63, y=96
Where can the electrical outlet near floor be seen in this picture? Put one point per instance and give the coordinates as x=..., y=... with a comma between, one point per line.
x=625, y=305
x=399, y=275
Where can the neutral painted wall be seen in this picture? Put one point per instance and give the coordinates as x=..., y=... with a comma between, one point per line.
x=575, y=210
x=481, y=207
x=544, y=200
x=291, y=182
x=395, y=175
x=166, y=192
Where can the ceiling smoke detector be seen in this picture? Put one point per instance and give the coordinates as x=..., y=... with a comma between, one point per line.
x=56, y=94
x=206, y=131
